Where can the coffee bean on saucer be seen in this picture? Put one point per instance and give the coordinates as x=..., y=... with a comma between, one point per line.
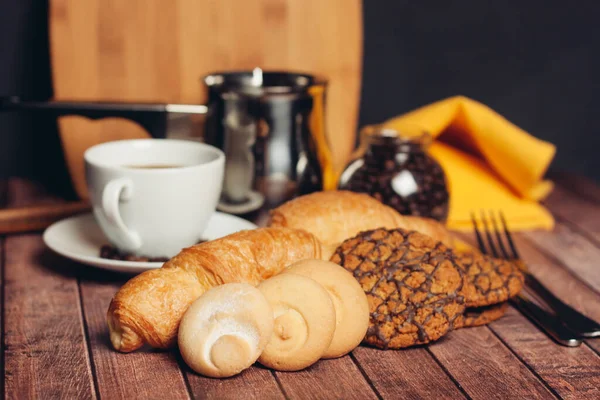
x=112, y=253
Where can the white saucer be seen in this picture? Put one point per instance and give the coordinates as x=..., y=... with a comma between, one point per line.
x=254, y=202
x=80, y=238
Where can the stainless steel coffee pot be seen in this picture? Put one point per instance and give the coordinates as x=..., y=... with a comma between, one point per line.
x=265, y=124
x=269, y=124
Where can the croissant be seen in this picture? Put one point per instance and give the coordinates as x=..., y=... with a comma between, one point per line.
x=149, y=307
x=334, y=216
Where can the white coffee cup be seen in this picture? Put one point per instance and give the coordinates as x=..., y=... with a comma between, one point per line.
x=153, y=197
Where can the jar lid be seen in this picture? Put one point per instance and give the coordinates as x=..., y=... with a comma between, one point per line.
x=405, y=133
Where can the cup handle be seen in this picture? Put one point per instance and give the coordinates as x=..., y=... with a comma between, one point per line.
x=115, y=191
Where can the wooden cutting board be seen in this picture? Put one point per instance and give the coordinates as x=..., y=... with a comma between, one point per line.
x=156, y=50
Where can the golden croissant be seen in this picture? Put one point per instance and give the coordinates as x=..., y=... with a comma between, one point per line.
x=149, y=307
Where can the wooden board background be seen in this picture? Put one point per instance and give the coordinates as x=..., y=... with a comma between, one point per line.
x=155, y=50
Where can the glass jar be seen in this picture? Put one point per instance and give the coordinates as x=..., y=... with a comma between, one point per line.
x=394, y=167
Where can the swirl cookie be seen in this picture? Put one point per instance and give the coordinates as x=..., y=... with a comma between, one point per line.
x=304, y=322
x=413, y=285
x=477, y=316
x=225, y=330
x=349, y=301
x=488, y=280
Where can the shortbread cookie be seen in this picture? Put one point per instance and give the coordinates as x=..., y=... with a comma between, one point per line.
x=349, y=300
x=304, y=322
x=412, y=282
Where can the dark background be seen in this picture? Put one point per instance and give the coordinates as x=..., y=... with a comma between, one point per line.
x=536, y=62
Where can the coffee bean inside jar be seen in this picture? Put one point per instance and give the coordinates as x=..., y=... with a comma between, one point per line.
x=394, y=167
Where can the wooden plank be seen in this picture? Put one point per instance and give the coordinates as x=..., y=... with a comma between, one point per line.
x=571, y=249
x=558, y=279
x=594, y=344
x=582, y=213
x=561, y=282
x=327, y=379
x=540, y=352
x=3, y=197
x=576, y=200
x=46, y=354
x=580, y=185
x=485, y=367
x=254, y=383
x=573, y=373
x=144, y=374
x=408, y=374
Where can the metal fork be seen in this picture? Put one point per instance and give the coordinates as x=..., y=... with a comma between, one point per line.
x=576, y=321
x=551, y=323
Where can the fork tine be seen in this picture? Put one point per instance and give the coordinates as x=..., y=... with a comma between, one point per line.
x=499, y=237
x=515, y=253
x=488, y=235
x=478, y=234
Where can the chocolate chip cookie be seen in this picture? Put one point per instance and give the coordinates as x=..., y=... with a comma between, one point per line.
x=488, y=280
x=413, y=285
x=477, y=316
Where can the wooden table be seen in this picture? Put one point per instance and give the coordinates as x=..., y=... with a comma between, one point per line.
x=55, y=343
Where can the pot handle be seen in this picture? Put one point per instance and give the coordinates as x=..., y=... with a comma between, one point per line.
x=151, y=116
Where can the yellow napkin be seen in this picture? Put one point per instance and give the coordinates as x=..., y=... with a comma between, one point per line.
x=490, y=163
